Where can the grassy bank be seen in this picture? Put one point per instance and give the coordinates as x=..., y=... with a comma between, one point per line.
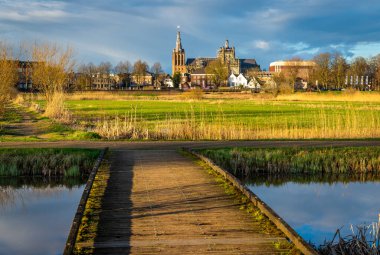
x=46, y=162
x=214, y=116
x=244, y=162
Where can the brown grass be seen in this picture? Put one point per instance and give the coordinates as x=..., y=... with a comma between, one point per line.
x=344, y=96
x=56, y=109
x=352, y=123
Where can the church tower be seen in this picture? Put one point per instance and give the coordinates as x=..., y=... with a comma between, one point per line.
x=178, y=57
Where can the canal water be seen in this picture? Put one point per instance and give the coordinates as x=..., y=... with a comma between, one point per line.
x=316, y=206
x=36, y=215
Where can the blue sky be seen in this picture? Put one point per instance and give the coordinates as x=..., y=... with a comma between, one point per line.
x=266, y=30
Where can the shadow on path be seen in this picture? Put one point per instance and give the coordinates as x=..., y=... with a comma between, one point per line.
x=114, y=226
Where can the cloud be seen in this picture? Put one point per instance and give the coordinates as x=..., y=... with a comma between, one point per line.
x=265, y=29
x=261, y=45
x=35, y=11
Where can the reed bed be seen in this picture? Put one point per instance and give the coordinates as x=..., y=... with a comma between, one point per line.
x=364, y=240
x=46, y=162
x=199, y=123
x=244, y=162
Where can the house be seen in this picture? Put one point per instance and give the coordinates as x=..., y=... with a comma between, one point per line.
x=254, y=84
x=142, y=79
x=200, y=78
x=237, y=81
x=168, y=82
x=185, y=86
x=103, y=81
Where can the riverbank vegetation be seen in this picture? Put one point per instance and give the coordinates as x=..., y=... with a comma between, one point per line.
x=47, y=162
x=244, y=162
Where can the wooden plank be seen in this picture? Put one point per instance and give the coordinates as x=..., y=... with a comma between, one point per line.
x=300, y=243
x=70, y=243
x=161, y=202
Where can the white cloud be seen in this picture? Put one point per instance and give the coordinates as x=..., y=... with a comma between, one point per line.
x=366, y=49
x=32, y=11
x=260, y=44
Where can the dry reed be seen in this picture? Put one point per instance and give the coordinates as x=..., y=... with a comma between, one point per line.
x=350, y=122
x=56, y=109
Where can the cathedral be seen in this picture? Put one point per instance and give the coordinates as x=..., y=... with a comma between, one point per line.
x=195, y=67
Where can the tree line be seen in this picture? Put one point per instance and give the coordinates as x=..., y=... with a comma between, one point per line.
x=54, y=71
x=87, y=72
x=333, y=71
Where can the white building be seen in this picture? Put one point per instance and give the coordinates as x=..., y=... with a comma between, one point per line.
x=253, y=84
x=236, y=81
x=241, y=81
x=168, y=82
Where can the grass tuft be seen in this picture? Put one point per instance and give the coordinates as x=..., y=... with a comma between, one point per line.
x=46, y=162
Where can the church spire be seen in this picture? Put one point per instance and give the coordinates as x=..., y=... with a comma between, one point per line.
x=226, y=44
x=178, y=45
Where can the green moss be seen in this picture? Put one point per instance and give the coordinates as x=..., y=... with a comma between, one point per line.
x=266, y=226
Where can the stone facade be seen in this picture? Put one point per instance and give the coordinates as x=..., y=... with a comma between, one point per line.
x=195, y=67
x=178, y=57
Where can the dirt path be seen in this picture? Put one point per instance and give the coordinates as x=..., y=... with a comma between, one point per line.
x=160, y=202
x=22, y=122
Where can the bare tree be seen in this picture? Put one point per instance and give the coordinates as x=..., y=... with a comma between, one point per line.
x=293, y=71
x=140, y=69
x=156, y=69
x=374, y=71
x=218, y=70
x=51, y=69
x=339, y=69
x=123, y=67
x=86, y=73
x=105, y=68
x=322, y=70
x=8, y=75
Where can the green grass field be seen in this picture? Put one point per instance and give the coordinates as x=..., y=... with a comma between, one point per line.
x=214, y=117
x=230, y=119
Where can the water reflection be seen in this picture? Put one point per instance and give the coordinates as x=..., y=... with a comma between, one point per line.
x=315, y=206
x=36, y=214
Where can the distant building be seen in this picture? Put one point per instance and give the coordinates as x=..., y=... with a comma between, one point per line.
x=303, y=68
x=102, y=81
x=196, y=67
x=178, y=57
x=168, y=82
x=241, y=81
x=25, y=71
x=142, y=80
x=237, y=80
x=200, y=78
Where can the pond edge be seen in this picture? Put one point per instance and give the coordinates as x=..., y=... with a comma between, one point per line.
x=290, y=233
x=70, y=243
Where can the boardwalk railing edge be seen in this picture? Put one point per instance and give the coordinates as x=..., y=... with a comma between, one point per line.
x=290, y=233
x=70, y=243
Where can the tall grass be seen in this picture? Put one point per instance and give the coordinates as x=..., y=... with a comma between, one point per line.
x=56, y=109
x=46, y=162
x=244, y=162
x=198, y=123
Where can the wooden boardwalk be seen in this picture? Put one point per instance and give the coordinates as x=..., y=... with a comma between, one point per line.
x=160, y=202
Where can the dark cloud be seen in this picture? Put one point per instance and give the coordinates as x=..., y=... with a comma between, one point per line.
x=266, y=30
